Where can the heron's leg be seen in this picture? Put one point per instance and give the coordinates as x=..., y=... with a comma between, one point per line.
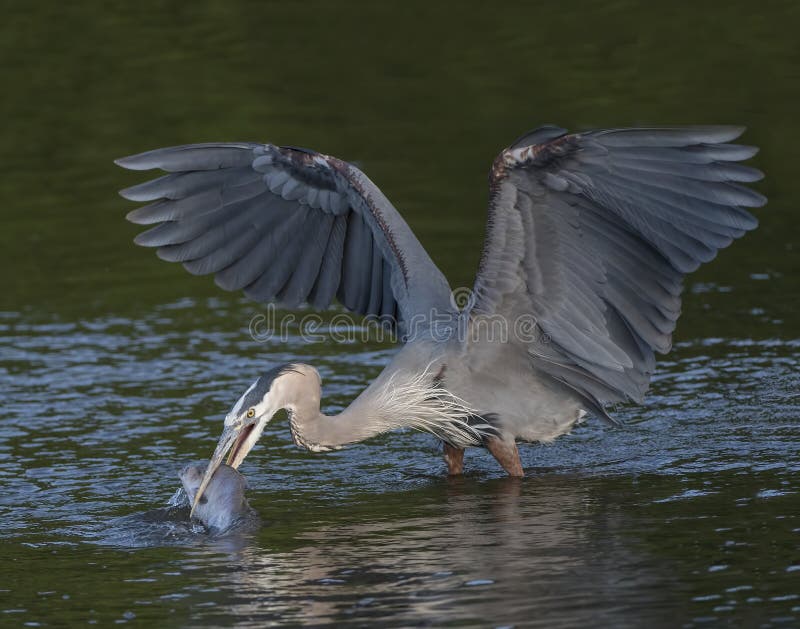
x=507, y=455
x=454, y=457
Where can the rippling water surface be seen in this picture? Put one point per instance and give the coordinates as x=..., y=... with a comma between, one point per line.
x=117, y=368
x=689, y=511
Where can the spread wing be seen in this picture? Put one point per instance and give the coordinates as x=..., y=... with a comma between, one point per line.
x=591, y=235
x=284, y=225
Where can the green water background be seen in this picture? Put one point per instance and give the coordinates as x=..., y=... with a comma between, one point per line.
x=117, y=367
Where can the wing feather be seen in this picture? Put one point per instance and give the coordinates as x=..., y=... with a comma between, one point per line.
x=302, y=280
x=284, y=224
x=592, y=233
x=330, y=273
x=354, y=290
x=289, y=243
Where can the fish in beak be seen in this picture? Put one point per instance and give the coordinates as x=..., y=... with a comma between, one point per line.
x=244, y=425
x=239, y=439
x=226, y=441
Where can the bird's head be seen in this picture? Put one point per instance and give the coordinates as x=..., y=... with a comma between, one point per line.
x=286, y=386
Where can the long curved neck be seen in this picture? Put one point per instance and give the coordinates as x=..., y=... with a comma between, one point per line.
x=398, y=398
x=318, y=432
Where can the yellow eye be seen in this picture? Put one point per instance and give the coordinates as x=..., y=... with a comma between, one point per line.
x=251, y=412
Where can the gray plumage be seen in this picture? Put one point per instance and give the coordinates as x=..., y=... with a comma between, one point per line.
x=609, y=222
x=282, y=224
x=589, y=234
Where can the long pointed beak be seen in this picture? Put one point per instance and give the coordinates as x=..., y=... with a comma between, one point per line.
x=226, y=441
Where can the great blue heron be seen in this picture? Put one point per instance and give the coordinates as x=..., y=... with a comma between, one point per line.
x=589, y=236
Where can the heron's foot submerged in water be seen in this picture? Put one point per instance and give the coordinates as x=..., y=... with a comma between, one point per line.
x=504, y=450
x=454, y=458
x=507, y=455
